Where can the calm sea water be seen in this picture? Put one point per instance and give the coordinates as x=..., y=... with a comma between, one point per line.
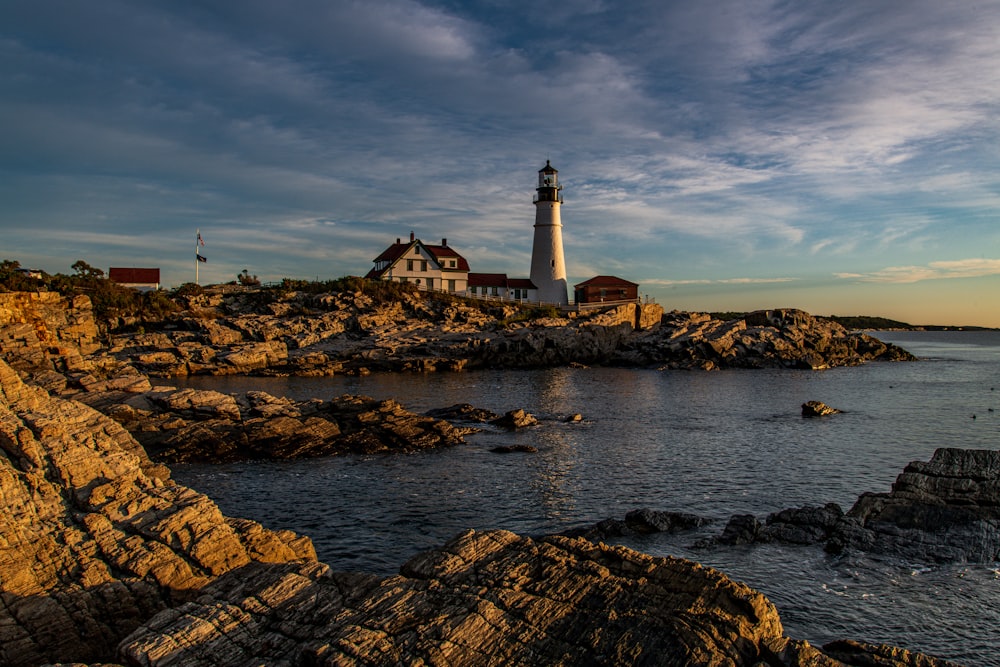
x=712, y=443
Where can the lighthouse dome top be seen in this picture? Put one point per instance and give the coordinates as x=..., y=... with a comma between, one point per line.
x=548, y=177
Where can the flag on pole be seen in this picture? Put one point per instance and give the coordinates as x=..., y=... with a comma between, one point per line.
x=200, y=241
x=201, y=258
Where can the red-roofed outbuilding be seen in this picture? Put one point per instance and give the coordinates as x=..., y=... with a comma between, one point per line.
x=605, y=289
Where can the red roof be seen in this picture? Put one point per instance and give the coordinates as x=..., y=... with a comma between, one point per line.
x=441, y=252
x=605, y=281
x=522, y=283
x=487, y=280
x=397, y=250
x=134, y=276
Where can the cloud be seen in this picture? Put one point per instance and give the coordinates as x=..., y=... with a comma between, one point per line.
x=943, y=270
x=661, y=282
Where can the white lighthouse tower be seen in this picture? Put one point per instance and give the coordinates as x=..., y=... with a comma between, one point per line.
x=548, y=266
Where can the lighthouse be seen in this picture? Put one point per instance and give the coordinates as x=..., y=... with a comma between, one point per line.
x=548, y=266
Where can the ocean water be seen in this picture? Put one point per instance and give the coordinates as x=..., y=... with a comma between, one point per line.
x=711, y=443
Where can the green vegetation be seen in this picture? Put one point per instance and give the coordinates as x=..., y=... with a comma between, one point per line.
x=532, y=313
x=110, y=300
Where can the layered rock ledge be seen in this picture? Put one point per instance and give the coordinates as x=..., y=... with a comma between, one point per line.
x=95, y=539
x=306, y=334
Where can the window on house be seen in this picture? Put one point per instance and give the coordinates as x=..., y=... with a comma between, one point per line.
x=423, y=265
x=430, y=283
x=495, y=291
x=409, y=265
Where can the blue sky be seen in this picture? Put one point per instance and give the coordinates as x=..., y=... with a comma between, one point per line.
x=840, y=157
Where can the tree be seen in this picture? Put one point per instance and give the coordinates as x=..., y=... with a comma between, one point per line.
x=247, y=280
x=84, y=270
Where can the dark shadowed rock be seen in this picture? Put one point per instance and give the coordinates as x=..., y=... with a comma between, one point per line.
x=509, y=449
x=943, y=510
x=463, y=412
x=741, y=529
x=261, y=426
x=639, y=522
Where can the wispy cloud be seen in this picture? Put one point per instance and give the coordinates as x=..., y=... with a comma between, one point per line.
x=943, y=270
x=662, y=282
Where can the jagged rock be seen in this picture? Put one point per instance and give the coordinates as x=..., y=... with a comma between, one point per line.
x=818, y=409
x=489, y=598
x=741, y=529
x=515, y=419
x=463, y=412
x=645, y=521
x=46, y=331
x=96, y=539
x=191, y=425
x=639, y=522
x=943, y=510
x=803, y=525
x=252, y=332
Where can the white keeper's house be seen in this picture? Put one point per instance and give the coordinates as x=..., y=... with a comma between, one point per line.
x=432, y=267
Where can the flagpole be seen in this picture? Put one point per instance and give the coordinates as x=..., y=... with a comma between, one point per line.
x=197, y=262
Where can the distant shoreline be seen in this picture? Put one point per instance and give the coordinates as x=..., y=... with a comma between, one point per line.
x=872, y=323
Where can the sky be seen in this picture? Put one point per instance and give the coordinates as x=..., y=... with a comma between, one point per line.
x=838, y=157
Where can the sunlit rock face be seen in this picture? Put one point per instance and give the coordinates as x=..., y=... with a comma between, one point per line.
x=95, y=538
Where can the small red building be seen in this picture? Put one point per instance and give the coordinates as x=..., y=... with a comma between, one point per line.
x=605, y=289
x=143, y=280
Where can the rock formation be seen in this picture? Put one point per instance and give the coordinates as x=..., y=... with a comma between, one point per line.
x=943, y=510
x=271, y=332
x=782, y=338
x=95, y=538
x=189, y=425
x=104, y=558
x=818, y=409
x=489, y=598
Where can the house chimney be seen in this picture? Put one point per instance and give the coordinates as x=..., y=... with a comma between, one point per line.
x=397, y=240
x=444, y=242
x=411, y=237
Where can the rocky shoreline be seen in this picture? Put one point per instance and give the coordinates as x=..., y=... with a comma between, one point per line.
x=946, y=510
x=294, y=333
x=105, y=559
